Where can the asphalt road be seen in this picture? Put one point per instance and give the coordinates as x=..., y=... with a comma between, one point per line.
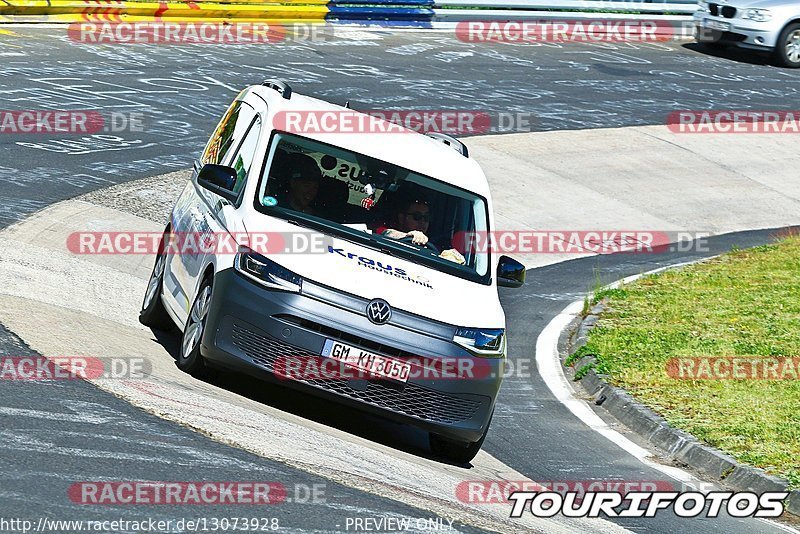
x=182, y=90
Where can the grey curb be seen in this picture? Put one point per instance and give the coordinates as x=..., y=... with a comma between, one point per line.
x=677, y=445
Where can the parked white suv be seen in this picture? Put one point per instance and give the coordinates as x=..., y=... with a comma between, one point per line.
x=392, y=296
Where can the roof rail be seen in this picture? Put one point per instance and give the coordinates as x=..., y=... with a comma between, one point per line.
x=281, y=86
x=452, y=142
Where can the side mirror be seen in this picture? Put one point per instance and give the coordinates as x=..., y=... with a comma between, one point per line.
x=510, y=272
x=218, y=179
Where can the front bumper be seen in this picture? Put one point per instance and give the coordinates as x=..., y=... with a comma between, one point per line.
x=251, y=328
x=743, y=33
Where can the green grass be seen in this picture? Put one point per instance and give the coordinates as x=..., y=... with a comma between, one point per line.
x=745, y=303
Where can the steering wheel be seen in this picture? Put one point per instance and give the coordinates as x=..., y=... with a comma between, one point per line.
x=427, y=246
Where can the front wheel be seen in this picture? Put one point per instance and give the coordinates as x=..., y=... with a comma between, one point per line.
x=787, y=51
x=190, y=359
x=459, y=452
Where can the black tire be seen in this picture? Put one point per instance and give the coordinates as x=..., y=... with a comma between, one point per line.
x=458, y=452
x=190, y=359
x=787, y=50
x=153, y=313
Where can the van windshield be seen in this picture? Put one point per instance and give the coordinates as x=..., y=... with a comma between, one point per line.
x=379, y=204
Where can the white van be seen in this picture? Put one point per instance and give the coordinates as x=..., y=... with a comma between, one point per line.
x=366, y=291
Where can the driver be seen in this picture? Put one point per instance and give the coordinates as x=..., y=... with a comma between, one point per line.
x=411, y=220
x=413, y=215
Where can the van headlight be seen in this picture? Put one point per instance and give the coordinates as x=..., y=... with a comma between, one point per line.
x=266, y=272
x=487, y=342
x=758, y=15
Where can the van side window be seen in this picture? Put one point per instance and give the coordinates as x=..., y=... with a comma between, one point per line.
x=228, y=134
x=243, y=159
x=222, y=137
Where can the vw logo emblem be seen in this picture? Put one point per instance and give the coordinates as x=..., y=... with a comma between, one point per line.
x=379, y=311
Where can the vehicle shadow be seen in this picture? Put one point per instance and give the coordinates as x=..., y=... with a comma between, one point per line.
x=740, y=55
x=398, y=436
x=170, y=340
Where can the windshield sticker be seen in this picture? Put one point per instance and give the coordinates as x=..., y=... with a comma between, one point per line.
x=270, y=201
x=369, y=263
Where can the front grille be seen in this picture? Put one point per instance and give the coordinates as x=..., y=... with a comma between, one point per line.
x=409, y=399
x=346, y=337
x=726, y=11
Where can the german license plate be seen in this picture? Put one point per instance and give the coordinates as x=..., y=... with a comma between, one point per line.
x=369, y=362
x=716, y=25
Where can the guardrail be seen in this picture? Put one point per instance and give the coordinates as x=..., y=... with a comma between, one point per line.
x=399, y=10
x=455, y=10
x=69, y=11
x=389, y=12
x=674, y=6
x=559, y=4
